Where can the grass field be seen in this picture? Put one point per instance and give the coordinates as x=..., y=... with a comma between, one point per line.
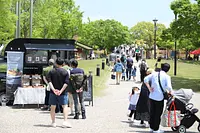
x=188, y=74
x=99, y=82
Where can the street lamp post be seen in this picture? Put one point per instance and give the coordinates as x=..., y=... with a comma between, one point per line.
x=175, y=59
x=31, y=17
x=155, y=29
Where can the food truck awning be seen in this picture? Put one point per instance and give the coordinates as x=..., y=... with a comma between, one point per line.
x=83, y=46
x=64, y=47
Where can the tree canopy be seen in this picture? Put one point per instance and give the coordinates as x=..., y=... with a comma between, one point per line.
x=144, y=31
x=187, y=26
x=105, y=34
x=62, y=19
x=7, y=21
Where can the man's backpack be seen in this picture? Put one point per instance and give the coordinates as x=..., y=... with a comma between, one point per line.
x=143, y=66
x=78, y=81
x=122, y=59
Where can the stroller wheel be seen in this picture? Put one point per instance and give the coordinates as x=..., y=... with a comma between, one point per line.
x=198, y=128
x=174, y=128
x=181, y=129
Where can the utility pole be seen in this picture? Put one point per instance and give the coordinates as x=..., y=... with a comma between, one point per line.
x=17, y=10
x=31, y=17
x=175, y=53
x=155, y=29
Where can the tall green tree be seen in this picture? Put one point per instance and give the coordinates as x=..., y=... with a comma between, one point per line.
x=105, y=34
x=7, y=21
x=187, y=25
x=145, y=31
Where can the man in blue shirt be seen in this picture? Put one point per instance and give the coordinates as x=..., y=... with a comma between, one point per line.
x=156, y=95
x=129, y=65
x=77, y=92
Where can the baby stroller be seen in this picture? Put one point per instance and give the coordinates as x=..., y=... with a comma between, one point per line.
x=181, y=100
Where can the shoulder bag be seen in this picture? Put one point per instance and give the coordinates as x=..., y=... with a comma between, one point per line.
x=165, y=93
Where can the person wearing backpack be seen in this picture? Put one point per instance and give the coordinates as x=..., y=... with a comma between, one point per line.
x=123, y=59
x=118, y=68
x=129, y=65
x=77, y=82
x=143, y=68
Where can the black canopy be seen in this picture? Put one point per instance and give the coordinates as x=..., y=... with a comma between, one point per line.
x=21, y=44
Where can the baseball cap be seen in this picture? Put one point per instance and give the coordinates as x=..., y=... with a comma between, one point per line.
x=51, y=61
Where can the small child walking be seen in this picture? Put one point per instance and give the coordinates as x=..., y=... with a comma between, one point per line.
x=133, y=99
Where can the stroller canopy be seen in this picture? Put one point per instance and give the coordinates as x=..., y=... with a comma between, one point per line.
x=184, y=95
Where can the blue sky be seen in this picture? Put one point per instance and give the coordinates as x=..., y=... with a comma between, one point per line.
x=128, y=12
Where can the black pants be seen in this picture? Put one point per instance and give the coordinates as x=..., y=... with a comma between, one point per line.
x=46, y=102
x=131, y=113
x=128, y=73
x=156, y=109
x=142, y=75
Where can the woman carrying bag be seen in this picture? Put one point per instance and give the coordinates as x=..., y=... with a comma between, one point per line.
x=118, y=68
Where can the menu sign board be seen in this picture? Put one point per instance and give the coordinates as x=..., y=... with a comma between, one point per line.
x=36, y=57
x=14, y=72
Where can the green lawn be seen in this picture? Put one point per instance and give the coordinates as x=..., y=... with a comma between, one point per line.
x=188, y=74
x=99, y=82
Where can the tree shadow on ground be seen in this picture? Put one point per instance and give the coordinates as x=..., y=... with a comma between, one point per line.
x=43, y=125
x=26, y=106
x=181, y=82
x=135, y=131
x=191, y=62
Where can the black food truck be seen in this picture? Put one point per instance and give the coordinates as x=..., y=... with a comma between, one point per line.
x=37, y=52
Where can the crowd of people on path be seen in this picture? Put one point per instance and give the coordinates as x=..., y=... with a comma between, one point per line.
x=147, y=102
x=65, y=85
x=124, y=67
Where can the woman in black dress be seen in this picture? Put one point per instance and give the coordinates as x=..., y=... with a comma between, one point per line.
x=143, y=105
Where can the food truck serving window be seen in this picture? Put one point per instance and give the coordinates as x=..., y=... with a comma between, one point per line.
x=36, y=57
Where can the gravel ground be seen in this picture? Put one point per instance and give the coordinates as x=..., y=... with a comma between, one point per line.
x=108, y=115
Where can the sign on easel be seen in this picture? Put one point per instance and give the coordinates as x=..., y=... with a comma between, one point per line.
x=88, y=96
x=15, y=61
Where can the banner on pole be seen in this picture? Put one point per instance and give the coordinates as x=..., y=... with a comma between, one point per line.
x=15, y=61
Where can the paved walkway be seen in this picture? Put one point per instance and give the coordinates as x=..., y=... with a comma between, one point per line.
x=108, y=115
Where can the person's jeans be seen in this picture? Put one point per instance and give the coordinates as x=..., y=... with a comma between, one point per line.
x=128, y=73
x=79, y=96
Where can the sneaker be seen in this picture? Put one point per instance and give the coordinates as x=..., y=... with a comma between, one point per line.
x=72, y=114
x=44, y=108
x=147, y=125
x=142, y=125
x=158, y=131
x=151, y=130
x=130, y=119
x=66, y=125
x=53, y=124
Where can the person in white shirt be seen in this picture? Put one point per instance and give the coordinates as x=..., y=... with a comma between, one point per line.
x=133, y=99
x=156, y=95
